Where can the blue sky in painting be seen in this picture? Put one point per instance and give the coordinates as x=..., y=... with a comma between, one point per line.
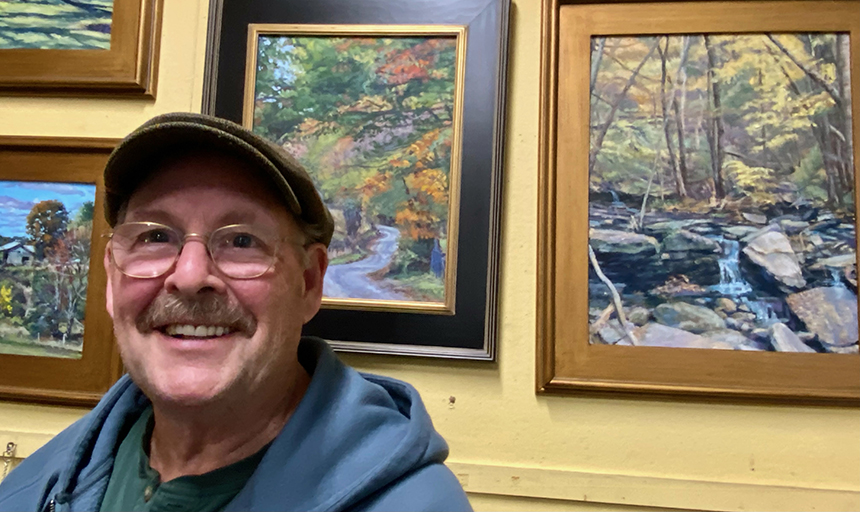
x=18, y=197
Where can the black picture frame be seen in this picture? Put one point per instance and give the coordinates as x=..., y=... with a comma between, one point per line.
x=469, y=333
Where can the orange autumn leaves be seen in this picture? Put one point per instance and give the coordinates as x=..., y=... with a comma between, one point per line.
x=425, y=206
x=413, y=64
x=372, y=118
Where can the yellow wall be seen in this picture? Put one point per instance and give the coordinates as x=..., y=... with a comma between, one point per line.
x=512, y=449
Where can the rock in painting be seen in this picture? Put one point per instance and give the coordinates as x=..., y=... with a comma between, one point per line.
x=614, y=241
x=639, y=315
x=792, y=227
x=613, y=333
x=829, y=312
x=771, y=251
x=727, y=305
x=685, y=241
x=623, y=255
x=695, y=319
x=735, y=232
x=784, y=339
x=673, y=225
x=755, y=218
x=658, y=335
x=840, y=261
x=692, y=255
x=850, y=349
x=737, y=340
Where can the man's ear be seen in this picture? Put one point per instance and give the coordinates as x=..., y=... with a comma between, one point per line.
x=108, y=286
x=313, y=275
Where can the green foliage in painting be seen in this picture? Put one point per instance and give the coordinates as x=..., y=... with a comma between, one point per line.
x=714, y=117
x=372, y=120
x=754, y=182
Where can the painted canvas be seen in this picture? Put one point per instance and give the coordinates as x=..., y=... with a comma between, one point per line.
x=722, y=206
x=55, y=24
x=45, y=235
x=372, y=119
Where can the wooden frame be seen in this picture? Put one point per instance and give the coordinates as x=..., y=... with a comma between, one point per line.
x=51, y=379
x=463, y=328
x=128, y=68
x=566, y=361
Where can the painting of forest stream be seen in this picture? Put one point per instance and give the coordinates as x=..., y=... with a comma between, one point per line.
x=45, y=238
x=373, y=121
x=55, y=24
x=722, y=207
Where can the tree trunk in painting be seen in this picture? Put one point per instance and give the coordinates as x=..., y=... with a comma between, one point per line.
x=715, y=126
x=601, y=135
x=830, y=128
x=596, y=57
x=821, y=130
x=680, y=182
x=679, y=102
x=843, y=69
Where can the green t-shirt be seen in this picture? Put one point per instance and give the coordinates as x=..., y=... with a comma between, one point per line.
x=135, y=487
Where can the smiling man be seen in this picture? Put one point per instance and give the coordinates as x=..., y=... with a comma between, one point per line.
x=215, y=262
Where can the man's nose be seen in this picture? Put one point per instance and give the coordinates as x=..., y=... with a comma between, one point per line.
x=194, y=270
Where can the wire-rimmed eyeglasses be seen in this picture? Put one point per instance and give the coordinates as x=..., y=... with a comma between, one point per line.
x=150, y=249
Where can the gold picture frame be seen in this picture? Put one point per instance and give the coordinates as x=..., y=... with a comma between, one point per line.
x=457, y=33
x=81, y=379
x=566, y=360
x=128, y=68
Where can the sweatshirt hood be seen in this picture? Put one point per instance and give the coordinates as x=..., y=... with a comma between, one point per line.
x=352, y=438
x=351, y=435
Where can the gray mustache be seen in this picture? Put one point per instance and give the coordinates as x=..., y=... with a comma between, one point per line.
x=207, y=309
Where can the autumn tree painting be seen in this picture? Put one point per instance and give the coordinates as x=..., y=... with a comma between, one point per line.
x=372, y=119
x=44, y=267
x=722, y=201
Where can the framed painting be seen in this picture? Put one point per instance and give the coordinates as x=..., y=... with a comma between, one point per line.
x=82, y=47
x=56, y=340
x=375, y=115
x=396, y=113
x=698, y=200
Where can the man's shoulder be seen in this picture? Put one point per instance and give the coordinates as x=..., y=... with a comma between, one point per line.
x=356, y=442
x=79, y=450
x=432, y=487
x=26, y=486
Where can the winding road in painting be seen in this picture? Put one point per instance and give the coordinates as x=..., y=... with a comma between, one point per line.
x=351, y=281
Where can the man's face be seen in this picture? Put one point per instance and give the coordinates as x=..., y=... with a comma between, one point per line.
x=262, y=317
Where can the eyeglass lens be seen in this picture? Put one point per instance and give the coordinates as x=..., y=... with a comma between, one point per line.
x=146, y=249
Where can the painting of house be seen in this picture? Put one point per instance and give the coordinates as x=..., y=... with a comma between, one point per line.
x=16, y=253
x=46, y=231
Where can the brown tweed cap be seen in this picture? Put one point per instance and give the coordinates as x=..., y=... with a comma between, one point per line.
x=139, y=153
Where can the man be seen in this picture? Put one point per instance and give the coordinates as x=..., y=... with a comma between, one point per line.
x=215, y=262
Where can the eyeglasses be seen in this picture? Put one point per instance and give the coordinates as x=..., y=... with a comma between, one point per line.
x=149, y=249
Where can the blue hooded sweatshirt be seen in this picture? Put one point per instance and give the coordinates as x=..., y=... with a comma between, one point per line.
x=355, y=442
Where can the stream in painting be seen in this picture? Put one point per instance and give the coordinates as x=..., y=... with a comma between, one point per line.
x=721, y=176
x=725, y=280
